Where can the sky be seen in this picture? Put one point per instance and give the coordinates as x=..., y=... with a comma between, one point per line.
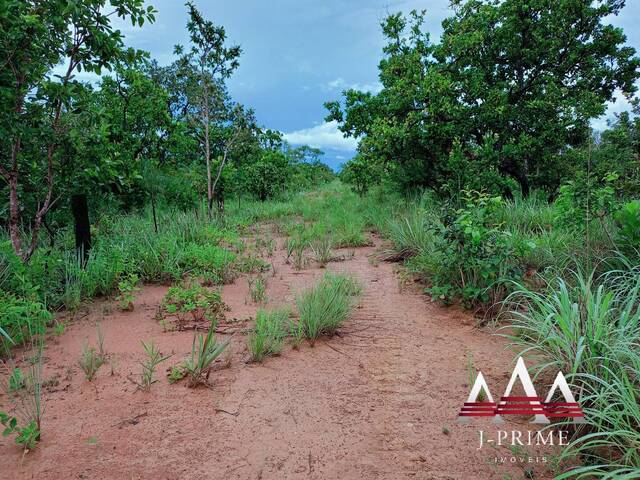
x=298, y=54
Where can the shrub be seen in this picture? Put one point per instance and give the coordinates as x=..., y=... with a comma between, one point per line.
x=268, y=334
x=324, y=307
x=475, y=256
x=193, y=302
x=21, y=319
x=628, y=218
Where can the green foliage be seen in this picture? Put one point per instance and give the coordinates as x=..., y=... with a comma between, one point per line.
x=488, y=106
x=268, y=334
x=591, y=333
x=257, y=289
x=21, y=318
x=126, y=295
x=212, y=262
x=474, y=252
x=16, y=380
x=26, y=436
x=149, y=365
x=193, y=303
x=204, y=352
x=324, y=307
x=361, y=174
x=321, y=249
x=628, y=218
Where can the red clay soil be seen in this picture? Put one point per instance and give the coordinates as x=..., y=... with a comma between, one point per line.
x=379, y=401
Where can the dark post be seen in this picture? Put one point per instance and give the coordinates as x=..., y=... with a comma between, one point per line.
x=80, y=211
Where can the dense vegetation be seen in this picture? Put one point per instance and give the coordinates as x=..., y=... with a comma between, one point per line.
x=476, y=161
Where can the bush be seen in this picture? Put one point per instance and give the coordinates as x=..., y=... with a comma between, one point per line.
x=21, y=318
x=324, y=307
x=192, y=302
x=268, y=334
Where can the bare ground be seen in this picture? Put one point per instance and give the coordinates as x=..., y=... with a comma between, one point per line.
x=379, y=401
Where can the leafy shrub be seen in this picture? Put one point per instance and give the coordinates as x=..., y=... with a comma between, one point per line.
x=192, y=302
x=324, y=307
x=475, y=255
x=268, y=334
x=21, y=318
x=628, y=218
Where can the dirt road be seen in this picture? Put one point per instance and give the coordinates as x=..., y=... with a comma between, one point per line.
x=377, y=402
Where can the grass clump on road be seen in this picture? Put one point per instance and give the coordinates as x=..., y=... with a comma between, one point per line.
x=324, y=307
x=268, y=334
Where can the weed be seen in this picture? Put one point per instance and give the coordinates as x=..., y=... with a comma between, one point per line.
x=321, y=249
x=268, y=334
x=192, y=302
x=204, y=351
x=257, y=289
x=90, y=362
x=126, y=292
x=149, y=365
x=324, y=307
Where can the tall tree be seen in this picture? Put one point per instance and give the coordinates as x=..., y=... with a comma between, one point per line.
x=204, y=68
x=35, y=37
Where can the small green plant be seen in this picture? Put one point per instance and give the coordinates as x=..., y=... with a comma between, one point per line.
x=299, y=259
x=90, y=361
x=192, y=302
x=324, y=307
x=268, y=334
x=149, y=365
x=204, y=351
x=176, y=373
x=24, y=391
x=628, y=219
x=257, y=289
x=321, y=249
x=26, y=437
x=126, y=292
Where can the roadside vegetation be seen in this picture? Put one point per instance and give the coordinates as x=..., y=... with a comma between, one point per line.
x=529, y=218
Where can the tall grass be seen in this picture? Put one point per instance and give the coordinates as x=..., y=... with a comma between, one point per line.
x=324, y=307
x=591, y=332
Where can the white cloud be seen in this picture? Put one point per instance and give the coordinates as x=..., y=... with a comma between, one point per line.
x=324, y=136
x=619, y=105
x=340, y=84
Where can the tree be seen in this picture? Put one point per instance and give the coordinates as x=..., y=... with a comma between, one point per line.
x=204, y=69
x=35, y=37
x=509, y=88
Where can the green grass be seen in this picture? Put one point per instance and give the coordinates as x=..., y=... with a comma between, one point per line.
x=324, y=307
x=204, y=351
x=591, y=331
x=268, y=334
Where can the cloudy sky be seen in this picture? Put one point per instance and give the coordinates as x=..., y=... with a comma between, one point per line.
x=300, y=53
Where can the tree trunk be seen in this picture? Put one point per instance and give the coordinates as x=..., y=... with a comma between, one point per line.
x=80, y=211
